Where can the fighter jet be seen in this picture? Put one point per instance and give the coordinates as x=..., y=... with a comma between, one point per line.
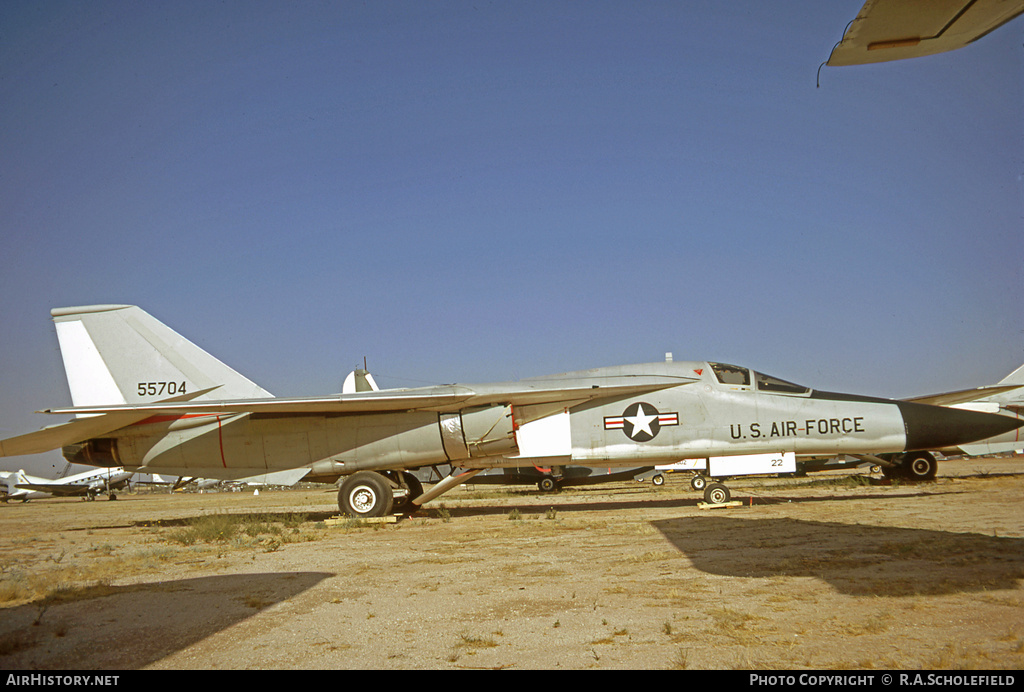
x=18, y=485
x=887, y=30
x=151, y=401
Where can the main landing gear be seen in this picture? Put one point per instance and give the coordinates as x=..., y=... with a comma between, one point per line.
x=714, y=493
x=912, y=466
x=367, y=494
x=91, y=496
x=547, y=484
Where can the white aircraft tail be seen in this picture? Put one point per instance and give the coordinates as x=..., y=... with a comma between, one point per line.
x=1015, y=377
x=1013, y=399
x=10, y=481
x=119, y=354
x=7, y=481
x=359, y=381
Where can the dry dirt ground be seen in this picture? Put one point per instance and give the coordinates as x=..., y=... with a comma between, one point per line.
x=816, y=573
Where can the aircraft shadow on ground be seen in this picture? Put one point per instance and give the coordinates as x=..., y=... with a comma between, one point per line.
x=856, y=560
x=129, y=627
x=307, y=516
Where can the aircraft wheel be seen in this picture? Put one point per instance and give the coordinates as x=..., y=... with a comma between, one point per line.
x=547, y=484
x=414, y=485
x=414, y=488
x=658, y=479
x=698, y=482
x=919, y=466
x=365, y=494
x=716, y=494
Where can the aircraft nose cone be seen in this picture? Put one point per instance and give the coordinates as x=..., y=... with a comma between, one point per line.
x=935, y=427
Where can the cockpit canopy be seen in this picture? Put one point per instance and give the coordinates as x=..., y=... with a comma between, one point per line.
x=735, y=375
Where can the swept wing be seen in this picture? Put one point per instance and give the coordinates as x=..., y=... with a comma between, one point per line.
x=56, y=436
x=963, y=396
x=102, y=420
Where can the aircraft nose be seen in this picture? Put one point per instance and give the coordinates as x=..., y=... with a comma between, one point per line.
x=935, y=427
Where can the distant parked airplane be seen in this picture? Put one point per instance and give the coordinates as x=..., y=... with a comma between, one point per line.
x=18, y=485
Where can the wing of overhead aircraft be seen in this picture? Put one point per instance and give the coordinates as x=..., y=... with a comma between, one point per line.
x=897, y=29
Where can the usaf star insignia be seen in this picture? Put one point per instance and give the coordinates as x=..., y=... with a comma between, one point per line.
x=640, y=421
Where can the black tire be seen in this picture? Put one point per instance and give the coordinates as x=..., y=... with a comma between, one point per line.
x=919, y=466
x=716, y=494
x=365, y=494
x=547, y=484
x=414, y=489
x=698, y=482
x=658, y=479
x=414, y=485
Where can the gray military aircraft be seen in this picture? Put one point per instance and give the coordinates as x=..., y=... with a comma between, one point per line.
x=151, y=401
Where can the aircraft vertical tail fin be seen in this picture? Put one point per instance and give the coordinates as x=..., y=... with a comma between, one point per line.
x=120, y=354
x=1015, y=377
x=359, y=381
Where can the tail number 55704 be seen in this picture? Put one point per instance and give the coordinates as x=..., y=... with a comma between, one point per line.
x=161, y=388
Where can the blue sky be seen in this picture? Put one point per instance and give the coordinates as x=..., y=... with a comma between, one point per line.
x=482, y=191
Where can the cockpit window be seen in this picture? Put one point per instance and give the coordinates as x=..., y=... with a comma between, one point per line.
x=731, y=374
x=767, y=383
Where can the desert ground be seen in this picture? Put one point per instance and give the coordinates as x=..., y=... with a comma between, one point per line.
x=831, y=571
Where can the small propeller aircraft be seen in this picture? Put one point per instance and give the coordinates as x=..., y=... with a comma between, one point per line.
x=18, y=485
x=147, y=399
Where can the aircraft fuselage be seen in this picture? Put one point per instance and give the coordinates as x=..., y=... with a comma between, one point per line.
x=714, y=411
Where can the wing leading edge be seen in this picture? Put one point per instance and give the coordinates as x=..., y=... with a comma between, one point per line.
x=103, y=420
x=897, y=29
x=57, y=436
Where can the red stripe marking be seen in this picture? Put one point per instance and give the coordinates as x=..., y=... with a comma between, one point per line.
x=220, y=438
x=170, y=418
